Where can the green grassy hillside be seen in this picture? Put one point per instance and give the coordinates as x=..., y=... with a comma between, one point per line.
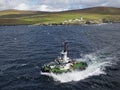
x=88, y=15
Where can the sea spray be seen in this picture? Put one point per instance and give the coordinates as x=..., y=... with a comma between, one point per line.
x=95, y=67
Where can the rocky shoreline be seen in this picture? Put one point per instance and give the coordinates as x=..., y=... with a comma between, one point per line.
x=56, y=24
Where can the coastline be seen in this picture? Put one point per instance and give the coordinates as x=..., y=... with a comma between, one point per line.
x=58, y=24
x=89, y=16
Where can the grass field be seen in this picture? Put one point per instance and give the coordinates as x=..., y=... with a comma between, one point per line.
x=95, y=15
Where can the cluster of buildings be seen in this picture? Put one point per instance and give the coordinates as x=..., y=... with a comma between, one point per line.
x=73, y=20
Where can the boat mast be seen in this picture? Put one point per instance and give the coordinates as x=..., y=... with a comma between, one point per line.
x=64, y=53
x=65, y=47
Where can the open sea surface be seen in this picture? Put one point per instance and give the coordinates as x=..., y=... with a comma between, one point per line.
x=24, y=49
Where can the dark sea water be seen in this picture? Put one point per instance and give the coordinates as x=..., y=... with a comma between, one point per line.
x=23, y=49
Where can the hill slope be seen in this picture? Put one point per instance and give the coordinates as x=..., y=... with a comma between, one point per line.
x=93, y=15
x=99, y=10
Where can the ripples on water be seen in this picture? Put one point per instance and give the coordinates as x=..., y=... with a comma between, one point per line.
x=23, y=49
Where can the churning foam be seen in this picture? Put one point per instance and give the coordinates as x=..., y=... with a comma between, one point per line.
x=95, y=67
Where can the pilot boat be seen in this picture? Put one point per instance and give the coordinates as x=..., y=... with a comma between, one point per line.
x=63, y=64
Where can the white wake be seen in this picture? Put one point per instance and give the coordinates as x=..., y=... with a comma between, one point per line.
x=96, y=66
